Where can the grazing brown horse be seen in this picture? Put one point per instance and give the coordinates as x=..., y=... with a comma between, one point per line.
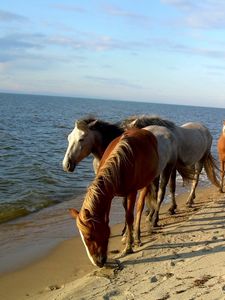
x=221, y=152
x=130, y=163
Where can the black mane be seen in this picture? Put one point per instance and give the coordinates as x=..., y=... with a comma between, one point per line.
x=146, y=120
x=108, y=131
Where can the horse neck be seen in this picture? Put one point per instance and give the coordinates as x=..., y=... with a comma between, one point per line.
x=98, y=199
x=103, y=137
x=98, y=146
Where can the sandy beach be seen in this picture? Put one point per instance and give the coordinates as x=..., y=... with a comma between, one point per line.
x=183, y=259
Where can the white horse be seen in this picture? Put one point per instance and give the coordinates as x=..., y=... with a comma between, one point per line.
x=89, y=136
x=194, y=147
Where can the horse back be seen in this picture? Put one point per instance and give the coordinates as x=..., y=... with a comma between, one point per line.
x=136, y=160
x=195, y=142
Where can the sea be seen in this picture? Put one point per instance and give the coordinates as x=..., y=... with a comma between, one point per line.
x=33, y=142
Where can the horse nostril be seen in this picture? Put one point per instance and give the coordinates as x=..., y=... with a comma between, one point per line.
x=104, y=260
x=101, y=261
x=66, y=166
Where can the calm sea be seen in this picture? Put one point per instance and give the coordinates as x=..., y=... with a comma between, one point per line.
x=33, y=141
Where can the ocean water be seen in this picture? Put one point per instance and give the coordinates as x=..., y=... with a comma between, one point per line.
x=33, y=141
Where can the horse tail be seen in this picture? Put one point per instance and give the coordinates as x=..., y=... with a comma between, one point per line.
x=210, y=166
x=151, y=197
x=187, y=172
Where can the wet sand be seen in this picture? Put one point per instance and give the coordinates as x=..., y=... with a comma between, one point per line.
x=54, y=275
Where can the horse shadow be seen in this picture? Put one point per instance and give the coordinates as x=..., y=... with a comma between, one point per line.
x=177, y=257
x=205, y=247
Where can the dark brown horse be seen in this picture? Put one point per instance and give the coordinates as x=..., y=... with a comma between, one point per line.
x=130, y=163
x=221, y=152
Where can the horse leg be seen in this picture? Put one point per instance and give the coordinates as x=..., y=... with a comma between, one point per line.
x=191, y=197
x=139, y=210
x=151, y=198
x=164, y=178
x=222, y=175
x=125, y=208
x=172, y=192
x=129, y=221
x=95, y=165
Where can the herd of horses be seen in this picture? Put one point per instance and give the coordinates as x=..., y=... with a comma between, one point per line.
x=136, y=159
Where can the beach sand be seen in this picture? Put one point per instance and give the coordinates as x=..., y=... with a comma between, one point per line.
x=183, y=259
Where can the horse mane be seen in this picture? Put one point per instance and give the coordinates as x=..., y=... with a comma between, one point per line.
x=146, y=120
x=108, y=179
x=107, y=130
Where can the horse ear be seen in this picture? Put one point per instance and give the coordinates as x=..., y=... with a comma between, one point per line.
x=74, y=213
x=92, y=124
x=87, y=214
x=82, y=125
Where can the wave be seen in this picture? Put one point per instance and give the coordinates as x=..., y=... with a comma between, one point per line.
x=13, y=210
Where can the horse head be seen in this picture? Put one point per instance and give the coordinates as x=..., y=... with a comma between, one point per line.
x=80, y=142
x=94, y=234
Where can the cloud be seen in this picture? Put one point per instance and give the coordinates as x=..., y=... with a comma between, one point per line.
x=216, y=67
x=175, y=47
x=21, y=41
x=99, y=43
x=32, y=52
x=186, y=5
x=89, y=42
x=127, y=15
x=6, y=16
x=16, y=47
x=114, y=81
x=69, y=8
x=208, y=14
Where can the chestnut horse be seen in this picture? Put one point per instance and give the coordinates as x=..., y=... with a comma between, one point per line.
x=130, y=163
x=221, y=152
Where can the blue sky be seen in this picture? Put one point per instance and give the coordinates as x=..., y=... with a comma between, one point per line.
x=163, y=51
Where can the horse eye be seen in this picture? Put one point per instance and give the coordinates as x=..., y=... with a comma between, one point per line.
x=81, y=139
x=89, y=239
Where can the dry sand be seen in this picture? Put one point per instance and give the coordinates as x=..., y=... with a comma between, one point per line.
x=183, y=259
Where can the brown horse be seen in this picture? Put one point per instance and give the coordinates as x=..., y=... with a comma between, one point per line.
x=130, y=163
x=221, y=152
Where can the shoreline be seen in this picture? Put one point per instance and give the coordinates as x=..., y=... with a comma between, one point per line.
x=68, y=262
x=28, y=239
x=31, y=237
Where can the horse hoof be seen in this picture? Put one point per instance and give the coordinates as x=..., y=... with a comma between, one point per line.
x=171, y=211
x=127, y=251
x=189, y=204
x=155, y=225
x=137, y=243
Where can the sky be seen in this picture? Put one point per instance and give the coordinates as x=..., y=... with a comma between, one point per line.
x=161, y=51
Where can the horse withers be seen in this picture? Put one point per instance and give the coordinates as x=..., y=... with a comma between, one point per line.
x=130, y=163
x=221, y=153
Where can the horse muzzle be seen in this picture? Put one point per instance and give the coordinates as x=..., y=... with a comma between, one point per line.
x=69, y=166
x=100, y=261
